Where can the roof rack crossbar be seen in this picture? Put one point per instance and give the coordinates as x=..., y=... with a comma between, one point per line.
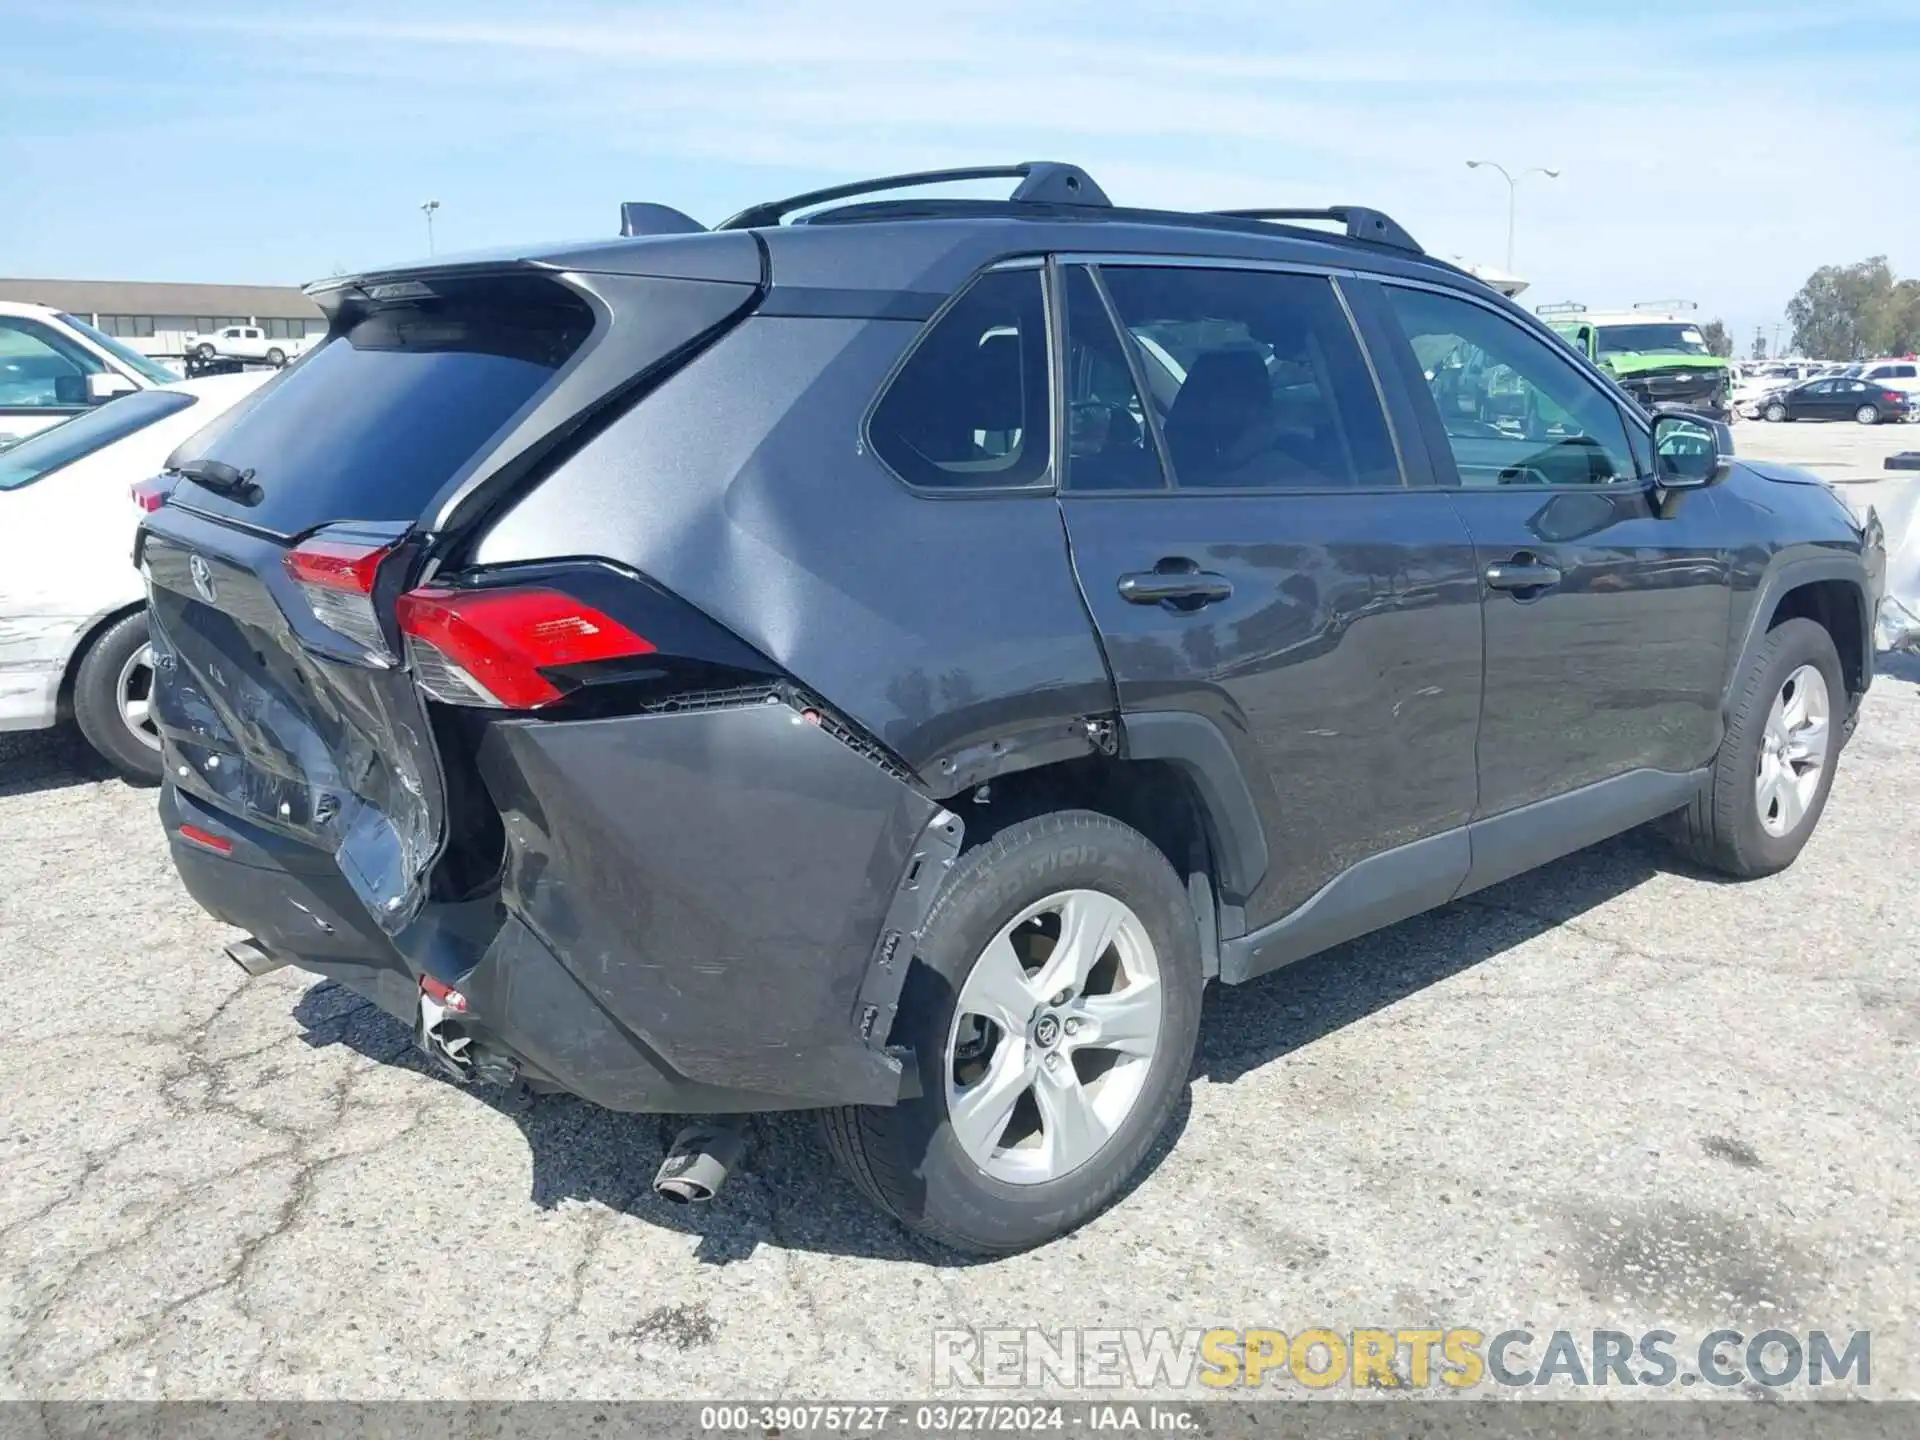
x=1361, y=222
x=1041, y=181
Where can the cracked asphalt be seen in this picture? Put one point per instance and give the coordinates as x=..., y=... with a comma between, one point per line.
x=1613, y=1093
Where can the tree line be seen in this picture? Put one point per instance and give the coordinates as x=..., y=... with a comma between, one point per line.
x=1854, y=312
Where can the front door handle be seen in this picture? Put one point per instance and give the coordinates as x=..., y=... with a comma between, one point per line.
x=1154, y=587
x=1523, y=572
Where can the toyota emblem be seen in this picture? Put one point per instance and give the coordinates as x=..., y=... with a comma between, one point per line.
x=202, y=576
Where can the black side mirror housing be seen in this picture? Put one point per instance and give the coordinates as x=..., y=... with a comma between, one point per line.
x=1690, y=451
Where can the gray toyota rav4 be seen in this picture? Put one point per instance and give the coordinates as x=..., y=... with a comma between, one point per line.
x=887, y=661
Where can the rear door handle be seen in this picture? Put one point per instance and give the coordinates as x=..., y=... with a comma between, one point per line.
x=1521, y=573
x=1152, y=587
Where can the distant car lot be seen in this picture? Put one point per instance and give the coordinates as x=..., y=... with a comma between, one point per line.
x=1615, y=1093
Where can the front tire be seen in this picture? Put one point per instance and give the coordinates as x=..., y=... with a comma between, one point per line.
x=112, y=693
x=1052, y=1006
x=1868, y=414
x=1776, y=413
x=1770, y=780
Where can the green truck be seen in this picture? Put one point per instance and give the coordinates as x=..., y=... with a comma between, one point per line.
x=1655, y=350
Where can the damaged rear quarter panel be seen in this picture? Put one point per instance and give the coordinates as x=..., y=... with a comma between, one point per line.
x=743, y=486
x=716, y=881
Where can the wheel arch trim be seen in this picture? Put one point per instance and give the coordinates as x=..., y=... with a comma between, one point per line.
x=1194, y=745
x=1779, y=580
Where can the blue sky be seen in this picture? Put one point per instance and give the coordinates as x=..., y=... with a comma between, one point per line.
x=1718, y=152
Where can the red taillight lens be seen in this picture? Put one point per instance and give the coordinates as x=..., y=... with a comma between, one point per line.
x=150, y=495
x=443, y=994
x=206, y=839
x=341, y=565
x=336, y=577
x=489, y=647
x=1894, y=397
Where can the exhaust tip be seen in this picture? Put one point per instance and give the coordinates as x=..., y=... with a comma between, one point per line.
x=698, y=1163
x=682, y=1191
x=253, y=958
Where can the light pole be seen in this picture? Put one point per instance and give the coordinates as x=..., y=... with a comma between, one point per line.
x=427, y=208
x=1513, y=187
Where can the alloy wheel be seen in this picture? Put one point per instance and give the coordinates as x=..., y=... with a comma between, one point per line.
x=134, y=692
x=1053, y=1036
x=1867, y=415
x=1793, y=751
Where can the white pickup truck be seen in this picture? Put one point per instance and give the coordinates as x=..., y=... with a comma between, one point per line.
x=243, y=342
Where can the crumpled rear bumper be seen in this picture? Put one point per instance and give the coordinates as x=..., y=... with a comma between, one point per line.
x=699, y=912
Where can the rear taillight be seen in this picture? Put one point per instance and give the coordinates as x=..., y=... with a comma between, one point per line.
x=336, y=577
x=492, y=647
x=150, y=495
x=443, y=994
x=1894, y=397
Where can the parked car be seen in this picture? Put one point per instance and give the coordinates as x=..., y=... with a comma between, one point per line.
x=244, y=342
x=886, y=751
x=73, y=641
x=1839, y=398
x=54, y=366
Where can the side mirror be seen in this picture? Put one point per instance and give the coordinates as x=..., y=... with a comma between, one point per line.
x=1690, y=451
x=103, y=385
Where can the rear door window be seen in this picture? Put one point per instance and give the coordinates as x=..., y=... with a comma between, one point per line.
x=1110, y=440
x=403, y=393
x=1256, y=379
x=968, y=410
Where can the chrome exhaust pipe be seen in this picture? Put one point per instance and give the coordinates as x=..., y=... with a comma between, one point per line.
x=698, y=1163
x=252, y=957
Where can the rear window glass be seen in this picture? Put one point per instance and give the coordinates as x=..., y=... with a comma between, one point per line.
x=968, y=411
x=42, y=454
x=402, y=394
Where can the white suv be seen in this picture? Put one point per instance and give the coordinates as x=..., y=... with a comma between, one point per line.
x=1895, y=374
x=54, y=366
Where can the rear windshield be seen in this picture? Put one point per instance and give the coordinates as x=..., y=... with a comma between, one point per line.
x=42, y=454
x=406, y=389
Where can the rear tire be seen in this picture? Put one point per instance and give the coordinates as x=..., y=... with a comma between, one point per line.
x=205, y=352
x=1868, y=414
x=106, y=709
x=276, y=358
x=1038, y=1179
x=1736, y=825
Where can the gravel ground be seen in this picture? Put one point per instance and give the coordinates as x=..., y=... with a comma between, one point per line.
x=1614, y=1093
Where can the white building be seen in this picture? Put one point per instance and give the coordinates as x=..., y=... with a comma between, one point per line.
x=156, y=318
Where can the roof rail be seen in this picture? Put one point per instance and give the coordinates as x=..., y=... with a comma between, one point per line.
x=638, y=217
x=1361, y=223
x=1667, y=305
x=1561, y=307
x=1041, y=181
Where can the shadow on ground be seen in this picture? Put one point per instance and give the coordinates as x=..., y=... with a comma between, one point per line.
x=789, y=1193
x=36, y=760
x=1902, y=665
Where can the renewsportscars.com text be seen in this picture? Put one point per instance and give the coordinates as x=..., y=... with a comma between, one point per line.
x=1389, y=1359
